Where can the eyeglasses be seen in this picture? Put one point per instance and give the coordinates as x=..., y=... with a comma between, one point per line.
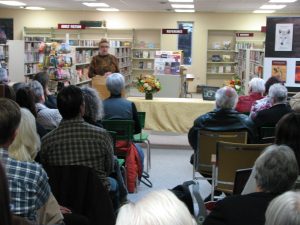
x=104, y=46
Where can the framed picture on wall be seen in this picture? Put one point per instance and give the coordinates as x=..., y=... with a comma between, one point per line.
x=6, y=30
x=284, y=37
x=279, y=69
x=297, y=72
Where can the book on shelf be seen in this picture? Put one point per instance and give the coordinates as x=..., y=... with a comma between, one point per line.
x=145, y=54
x=141, y=65
x=152, y=54
x=149, y=65
x=221, y=69
x=226, y=58
x=228, y=69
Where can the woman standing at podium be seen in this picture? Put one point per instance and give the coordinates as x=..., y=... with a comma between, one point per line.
x=104, y=63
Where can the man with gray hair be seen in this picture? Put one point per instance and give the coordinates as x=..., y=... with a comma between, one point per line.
x=223, y=118
x=269, y=117
x=48, y=118
x=256, y=91
x=275, y=172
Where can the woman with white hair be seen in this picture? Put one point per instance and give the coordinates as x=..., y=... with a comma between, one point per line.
x=284, y=210
x=275, y=172
x=256, y=91
x=269, y=117
x=157, y=208
x=93, y=113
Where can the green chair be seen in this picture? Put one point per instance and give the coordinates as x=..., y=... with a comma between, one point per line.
x=143, y=138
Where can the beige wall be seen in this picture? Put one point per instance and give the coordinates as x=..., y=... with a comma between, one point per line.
x=202, y=23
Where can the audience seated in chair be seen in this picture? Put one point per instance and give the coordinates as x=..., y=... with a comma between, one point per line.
x=265, y=102
x=223, y=118
x=276, y=171
x=116, y=107
x=270, y=116
x=76, y=142
x=50, y=99
x=48, y=118
x=6, y=217
x=256, y=91
x=284, y=210
x=25, y=99
x=93, y=114
x=157, y=208
x=28, y=182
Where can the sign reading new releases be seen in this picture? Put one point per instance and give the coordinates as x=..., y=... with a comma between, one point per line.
x=71, y=26
x=174, y=31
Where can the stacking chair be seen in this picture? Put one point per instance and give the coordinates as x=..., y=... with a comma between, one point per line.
x=207, y=143
x=232, y=157
x=143, y=138
x=266, y=135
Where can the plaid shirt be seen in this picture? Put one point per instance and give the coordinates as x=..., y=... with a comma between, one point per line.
x=102, y=64
x=76, y=142
x=28, y=186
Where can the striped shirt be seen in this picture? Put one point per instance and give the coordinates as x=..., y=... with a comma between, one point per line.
x=28, y=186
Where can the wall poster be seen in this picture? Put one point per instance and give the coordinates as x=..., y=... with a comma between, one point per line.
x=6, y=30
x=284, y=37
x=297, y=72
x=279, y=69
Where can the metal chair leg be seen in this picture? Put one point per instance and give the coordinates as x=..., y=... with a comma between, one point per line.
x=147, y=142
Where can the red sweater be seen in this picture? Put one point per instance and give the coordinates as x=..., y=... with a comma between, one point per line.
x=245, y=102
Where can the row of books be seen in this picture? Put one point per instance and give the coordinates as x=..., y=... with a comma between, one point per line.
x=257, y=56
x=145, y=65
x=144, y=54
x=122, y=52
x=32, y=57
x=3, y=52
x=85, y=56
x=35, y=39
x=32, y=46
x=221, y=69
x=31, y=69
x=124, y=62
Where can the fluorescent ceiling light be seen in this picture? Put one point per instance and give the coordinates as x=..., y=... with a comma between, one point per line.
x=181, y=6
x=12, y=3
x=95, y=4
x=282, y=1
x=263, y=11
x=181, y=1
x=108, y=9
x=34, y=8
x=184, y=10
x=272, y=6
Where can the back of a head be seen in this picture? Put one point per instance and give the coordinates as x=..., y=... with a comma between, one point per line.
x=25, y=99
x=5, y=215
x=93, y=104
x=115, y=83
x=226, y=98
x=257, y=85
x=18, y=85
x=10, y=117
x=27, y=141
x=278, y=93
x=69, y=102
x=157, y=208
x=43, y=78
x=270, y=82
x=284, y=210
x=276, y=169
x=287, y=133
x=37, y=90
x=9, y=92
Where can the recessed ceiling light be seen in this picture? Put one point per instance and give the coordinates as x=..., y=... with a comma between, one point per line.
x=263, y=11
x=184, y=10
x=282, y=1
x=108, y=9
x=181, y=6
x=12, y=3
x=272, y=6
x=34, y=8
x=95, y=4
x=182, y=1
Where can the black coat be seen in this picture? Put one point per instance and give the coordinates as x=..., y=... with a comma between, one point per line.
x=221, y=120
x=270, y=117
x=240, y=210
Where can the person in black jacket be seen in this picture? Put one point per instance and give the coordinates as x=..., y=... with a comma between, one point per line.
x=223, y=118
x=280, y=107
x=276, y=171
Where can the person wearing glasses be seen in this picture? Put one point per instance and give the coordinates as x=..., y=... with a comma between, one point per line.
x=104, y=63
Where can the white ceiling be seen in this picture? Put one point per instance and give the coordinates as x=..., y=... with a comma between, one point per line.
x=228, y=6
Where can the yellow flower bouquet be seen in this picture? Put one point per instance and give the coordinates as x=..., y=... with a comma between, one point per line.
x=148, y=84
x=236, y=84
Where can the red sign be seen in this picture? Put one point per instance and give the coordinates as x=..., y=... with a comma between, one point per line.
x=174, y=31
x=244, y=34
x=71, y=26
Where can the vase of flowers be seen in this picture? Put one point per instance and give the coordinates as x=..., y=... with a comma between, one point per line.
x=148, y=84
x=236, y=84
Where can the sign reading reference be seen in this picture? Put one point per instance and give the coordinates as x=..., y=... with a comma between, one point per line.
x=70, y=26
x=174, y=31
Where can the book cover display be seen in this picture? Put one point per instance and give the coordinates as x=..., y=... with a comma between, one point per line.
x=297, y=72
x=279, y=69
x=167, y=62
